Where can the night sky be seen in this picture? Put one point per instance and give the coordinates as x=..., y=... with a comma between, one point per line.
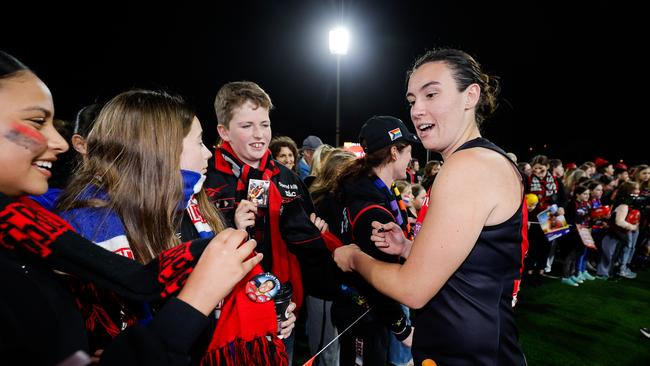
x=572, y=76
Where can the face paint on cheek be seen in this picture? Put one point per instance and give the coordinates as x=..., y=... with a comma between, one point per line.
x=26, y=137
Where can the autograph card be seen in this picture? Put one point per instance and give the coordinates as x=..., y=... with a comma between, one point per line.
x=258, y=192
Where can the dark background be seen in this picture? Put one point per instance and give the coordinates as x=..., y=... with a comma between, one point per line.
x=574, y=75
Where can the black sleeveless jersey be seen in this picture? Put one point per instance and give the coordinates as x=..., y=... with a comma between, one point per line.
x=470, y=321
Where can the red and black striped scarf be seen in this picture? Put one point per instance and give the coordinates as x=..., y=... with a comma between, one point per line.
x=245, y=333
x=543, y=188
x=285, y=264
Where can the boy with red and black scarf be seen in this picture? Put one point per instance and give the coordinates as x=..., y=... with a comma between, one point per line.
x=293, y=241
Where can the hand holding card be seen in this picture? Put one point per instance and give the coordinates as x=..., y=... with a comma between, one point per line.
x=258, y=192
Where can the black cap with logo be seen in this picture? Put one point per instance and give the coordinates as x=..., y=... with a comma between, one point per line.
x=381, y=131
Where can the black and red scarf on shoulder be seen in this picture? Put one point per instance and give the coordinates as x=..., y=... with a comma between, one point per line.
x=245, y=333
x=285, y=264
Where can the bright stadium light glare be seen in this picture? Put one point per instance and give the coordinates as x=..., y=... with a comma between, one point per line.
x=339, y=41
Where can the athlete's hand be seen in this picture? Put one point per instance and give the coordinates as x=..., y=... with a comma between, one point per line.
x=344, y=256
x=390, y=239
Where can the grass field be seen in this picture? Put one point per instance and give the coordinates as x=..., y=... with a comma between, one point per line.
x=594, y=324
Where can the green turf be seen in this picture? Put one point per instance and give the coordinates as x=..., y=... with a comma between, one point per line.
x=594, y=324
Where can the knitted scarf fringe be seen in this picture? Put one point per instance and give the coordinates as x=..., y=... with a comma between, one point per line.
x=257, y=352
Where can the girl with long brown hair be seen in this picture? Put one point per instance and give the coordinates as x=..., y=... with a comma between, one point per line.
x=140, y=185
x=135, y=167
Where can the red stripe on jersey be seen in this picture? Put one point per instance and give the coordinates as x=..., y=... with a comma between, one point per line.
x=524, y=250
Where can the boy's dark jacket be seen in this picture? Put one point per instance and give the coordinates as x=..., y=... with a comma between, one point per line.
x=302, y=237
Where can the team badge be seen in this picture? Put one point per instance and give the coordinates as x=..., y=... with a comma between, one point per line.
x=262, y=287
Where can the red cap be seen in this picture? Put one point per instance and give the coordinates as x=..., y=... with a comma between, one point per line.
x=570, y=166
x=621, y=166
x=600, y=162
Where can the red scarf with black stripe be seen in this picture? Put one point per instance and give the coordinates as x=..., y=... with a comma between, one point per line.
x=285, y=264
x=246, y=331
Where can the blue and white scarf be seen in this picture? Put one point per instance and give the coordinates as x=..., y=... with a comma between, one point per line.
x=192, y=184
x=105, y=228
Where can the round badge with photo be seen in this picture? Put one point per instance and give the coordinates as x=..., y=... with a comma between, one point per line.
x=263, y=287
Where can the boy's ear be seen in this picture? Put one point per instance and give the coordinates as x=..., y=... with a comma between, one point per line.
x=224, y=133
